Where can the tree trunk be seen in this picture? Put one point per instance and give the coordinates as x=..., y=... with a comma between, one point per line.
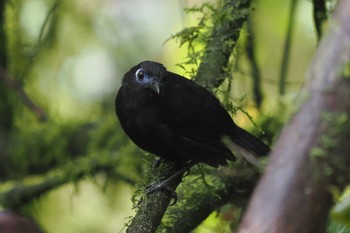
x=311, y=157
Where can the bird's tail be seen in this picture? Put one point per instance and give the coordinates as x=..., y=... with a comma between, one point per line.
x=250, y=143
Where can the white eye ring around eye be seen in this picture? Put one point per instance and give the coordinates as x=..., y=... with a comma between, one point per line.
x=140, y=74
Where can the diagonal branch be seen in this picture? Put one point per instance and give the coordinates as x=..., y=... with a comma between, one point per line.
x=234, y=185
x=311, y=157
x=26, y=100
x=210, y=74
x=40, y=41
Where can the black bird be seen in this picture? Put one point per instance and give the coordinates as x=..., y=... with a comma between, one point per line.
x=178, y=120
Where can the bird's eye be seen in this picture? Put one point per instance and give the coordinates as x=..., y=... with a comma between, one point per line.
x=140, y=75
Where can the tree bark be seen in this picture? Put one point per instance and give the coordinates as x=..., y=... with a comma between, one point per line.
x=232, y=185
x=151, y=209
x=311, y=157
x=223, y=39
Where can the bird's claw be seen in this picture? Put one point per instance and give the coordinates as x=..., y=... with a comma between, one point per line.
x=162, y=186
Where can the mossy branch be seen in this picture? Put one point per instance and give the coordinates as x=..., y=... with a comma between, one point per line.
x=229, y=184
x=151, y=207
x=224, y=35
x=223, y=39
x=19, y=195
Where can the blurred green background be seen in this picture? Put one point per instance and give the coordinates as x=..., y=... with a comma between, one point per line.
x=70, y=57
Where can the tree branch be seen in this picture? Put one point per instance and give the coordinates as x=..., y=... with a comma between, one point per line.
x=311, y=156
x=26, y=100
x=224, y=36
x=320, y=16
x=41, y=40
x=210, y=74
x=234, y=184
x=19, y=195
x=286, y=49
x=14, y=83
x=5, y=96
x=151, y=209
x=3, y=57
x=255, y=71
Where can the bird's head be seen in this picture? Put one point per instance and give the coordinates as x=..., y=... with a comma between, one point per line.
x=147, y=75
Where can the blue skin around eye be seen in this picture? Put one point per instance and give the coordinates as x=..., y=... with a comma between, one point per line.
x=146, y=79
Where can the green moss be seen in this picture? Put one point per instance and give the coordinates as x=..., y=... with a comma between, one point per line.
x=317, y=152
x=346, y=70
x=337, y=123
x=328, y=170
x=48, y=145
x=196, y=37
x=341, y=211
x=324, y=155
x=328, y=142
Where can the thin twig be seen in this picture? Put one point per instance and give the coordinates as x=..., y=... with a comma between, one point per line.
x=16, y=85
x=286, y=49
x=26, y=100
x=46, y=21
x=320, y=16
x=255, y=70
x=37, y=48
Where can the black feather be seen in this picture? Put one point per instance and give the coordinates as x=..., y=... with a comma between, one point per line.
x=176, y=119
x=250, y=143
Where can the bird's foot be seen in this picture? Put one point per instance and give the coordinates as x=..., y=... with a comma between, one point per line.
x=163, y=185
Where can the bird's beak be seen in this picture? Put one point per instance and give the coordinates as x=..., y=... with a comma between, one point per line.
x=155, y=87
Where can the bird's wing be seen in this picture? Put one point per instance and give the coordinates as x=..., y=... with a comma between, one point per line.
x=197, y=119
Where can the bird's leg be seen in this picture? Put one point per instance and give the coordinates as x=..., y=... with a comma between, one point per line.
x=164, y=184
